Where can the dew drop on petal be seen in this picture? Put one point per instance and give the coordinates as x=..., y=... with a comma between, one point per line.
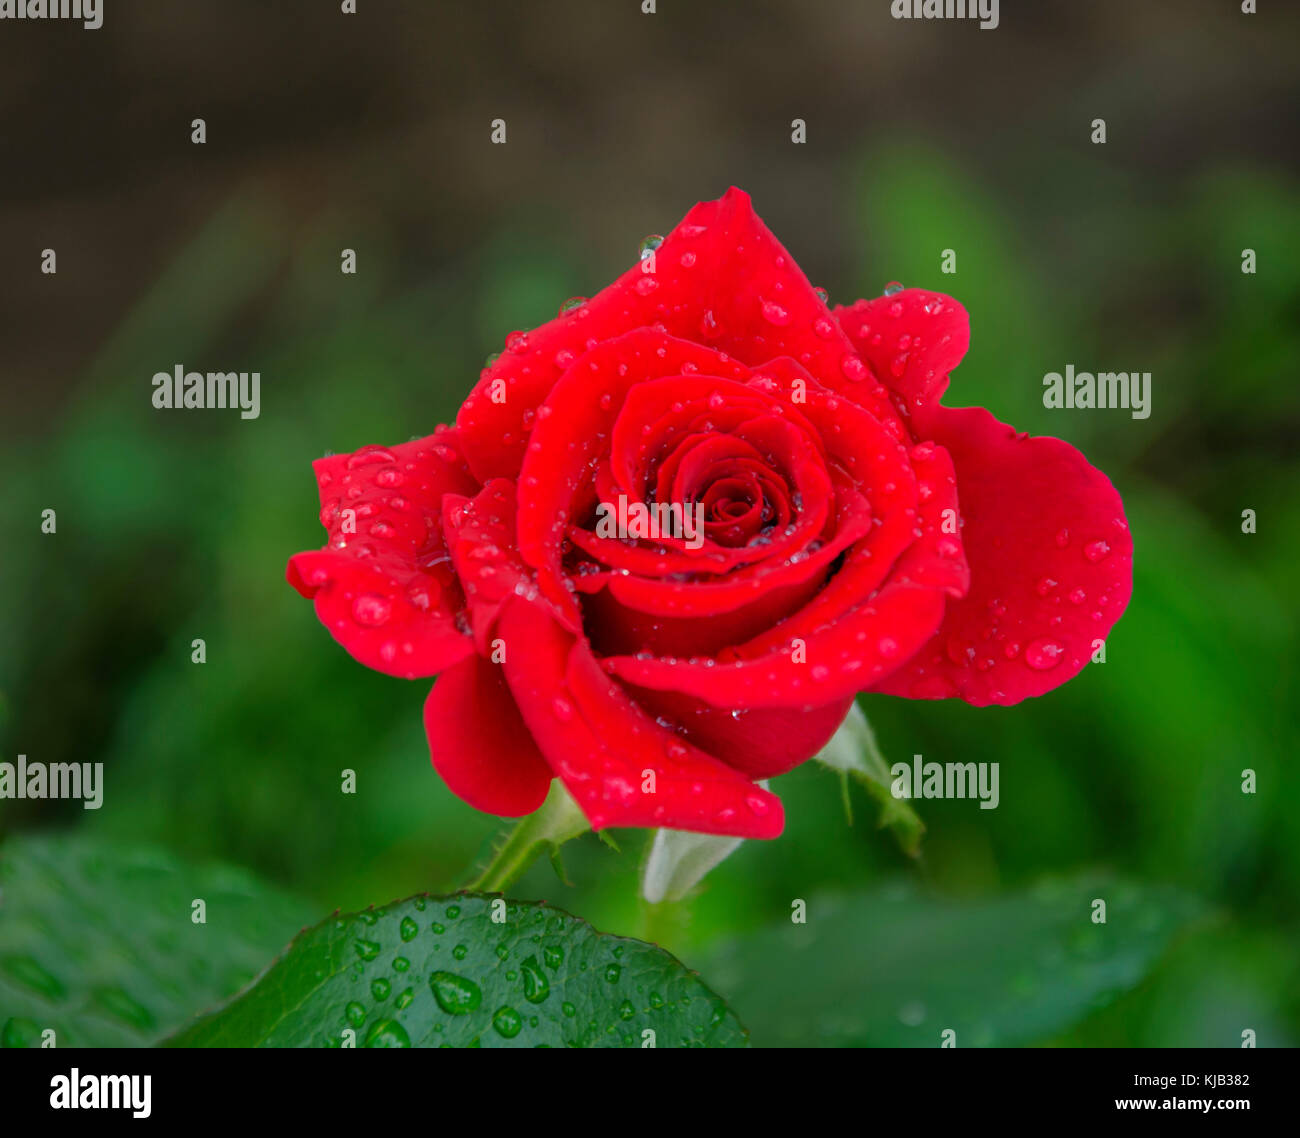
x=371, y=609
x=853, y=368
x=1043, y=654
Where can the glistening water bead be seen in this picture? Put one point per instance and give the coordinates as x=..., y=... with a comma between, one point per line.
x=649, y=245
x=455, y=994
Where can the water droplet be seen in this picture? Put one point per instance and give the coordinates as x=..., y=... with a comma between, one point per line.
x=648, y=245
x=773, y=313
x=371, y=610
x=404, y=999
x=459, y=951
x=823, y=295
x=387, y=1033
x=380, y=988
x=646, y=285
x=572, y=303
x=455, y=995
x=400, y=964
x=355, y=1013
x=612, y=973
x=1043, y=654
x=408, y=929
x=367, y=949
x=568, y=1009
x=507, y=1021
x=893, y=288
x=853, y=368
x=554, y=956
x=517, y=342
x=536, y=986
x=1096, y=551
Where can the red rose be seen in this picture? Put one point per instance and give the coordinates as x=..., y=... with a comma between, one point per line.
x=858, y=536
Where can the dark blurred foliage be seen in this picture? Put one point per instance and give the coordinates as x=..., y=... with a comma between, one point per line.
x=372, y=132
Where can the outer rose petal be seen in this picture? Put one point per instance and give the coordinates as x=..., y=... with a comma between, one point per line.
x=601, y=744
x=480, y=534
x=384, y=586
x=762, y=743
x=912, y=340
x=722, y=279
x=479, y=743
x=848, y=656
x=1051, y=562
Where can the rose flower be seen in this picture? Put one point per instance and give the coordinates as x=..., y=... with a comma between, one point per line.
x=858, y=536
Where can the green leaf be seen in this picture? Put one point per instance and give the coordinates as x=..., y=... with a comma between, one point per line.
x=98, y=944
x=439, y=971
x=895, y=968
x=853, y=752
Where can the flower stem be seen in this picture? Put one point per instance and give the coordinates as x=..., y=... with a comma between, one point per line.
x=557, y=821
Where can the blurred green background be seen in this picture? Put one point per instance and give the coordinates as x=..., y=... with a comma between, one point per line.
x=372, y=133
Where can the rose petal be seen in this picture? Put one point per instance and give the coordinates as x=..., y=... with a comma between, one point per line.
x=479, y=744
x=762, y=743
x=384, y=585
x=579, y=416
x=605, y=748
x=864, y=645
x=912, y=340
x=721, y=278
x=1051, y=563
